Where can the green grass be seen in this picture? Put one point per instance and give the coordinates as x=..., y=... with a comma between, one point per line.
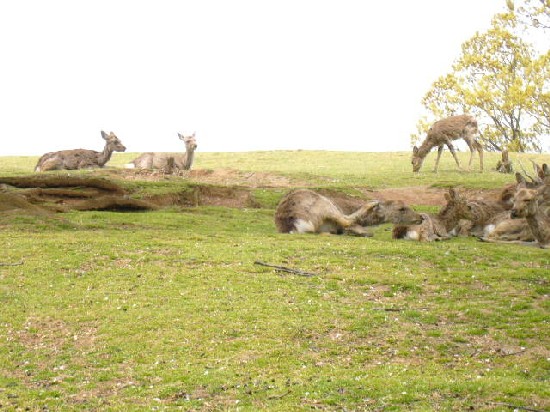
x=166, y=310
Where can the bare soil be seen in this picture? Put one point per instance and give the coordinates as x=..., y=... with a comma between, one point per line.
x=47, y=193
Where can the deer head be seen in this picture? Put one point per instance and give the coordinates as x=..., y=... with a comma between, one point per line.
x=113, y=142
x=190, y=142
x=525, y=199
x=416, y=160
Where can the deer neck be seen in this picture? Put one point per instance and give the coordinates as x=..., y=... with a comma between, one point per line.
x=425, y=147
x=539, y=224
x=105, y=156
x=188, y=161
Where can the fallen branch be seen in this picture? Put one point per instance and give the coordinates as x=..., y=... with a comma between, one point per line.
x=279, y=396
x=11, y=264
x=389, y=309
x=286, y=269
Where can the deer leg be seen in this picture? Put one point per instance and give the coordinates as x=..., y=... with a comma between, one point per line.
x=439, y=151
x=452, y=150
x=358, y=230
x=475, y=146
x=479, y=148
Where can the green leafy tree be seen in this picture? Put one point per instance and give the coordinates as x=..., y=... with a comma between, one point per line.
x=500, y=79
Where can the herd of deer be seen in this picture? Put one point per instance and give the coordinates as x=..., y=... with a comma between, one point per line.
x=522, y=215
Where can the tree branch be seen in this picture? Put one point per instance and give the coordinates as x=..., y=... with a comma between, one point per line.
x=11, y=264
x=286, y=269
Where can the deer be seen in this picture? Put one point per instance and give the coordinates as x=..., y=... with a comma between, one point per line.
x=484, y=216
x=528, y=204
x=442, y=133
x=80, y=158
x=168, y=161
x=306, y=211
x=509, y=229
x=435, y=227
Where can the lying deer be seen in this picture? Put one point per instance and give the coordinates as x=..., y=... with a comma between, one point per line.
x=168, y=161
x=80, y=158
x=442, y=133
x=306, y=211
x=508, y=229
x=440, y=226
x=526, y=205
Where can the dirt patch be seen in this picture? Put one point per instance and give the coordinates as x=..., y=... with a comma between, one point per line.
x=207, y=196
x=54, y=193
x=431, y=196
x=46, y=193
x=14, y=203
x=221, y=177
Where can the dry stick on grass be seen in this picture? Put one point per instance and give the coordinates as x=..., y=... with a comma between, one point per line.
x=11, y=264
x=285, y=269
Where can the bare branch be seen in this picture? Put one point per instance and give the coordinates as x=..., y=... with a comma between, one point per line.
x=286, y=269
x=11, y=264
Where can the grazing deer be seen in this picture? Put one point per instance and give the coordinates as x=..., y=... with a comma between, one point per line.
x=306, y=211
x=80, y=158
x=168, y=161
x=526, y=205
x=441, y=226
x=442, y=133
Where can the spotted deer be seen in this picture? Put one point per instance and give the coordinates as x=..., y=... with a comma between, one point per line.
x=442, y=133
x=168, y=161
x=306, y=211
x=80, y=158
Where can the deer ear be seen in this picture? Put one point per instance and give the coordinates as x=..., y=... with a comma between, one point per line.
x=452, y=193
x=104, y=135
x=180, y=136
x=520, y=179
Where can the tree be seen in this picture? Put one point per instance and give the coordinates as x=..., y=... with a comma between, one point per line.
x=531, y=13
x=500, y=79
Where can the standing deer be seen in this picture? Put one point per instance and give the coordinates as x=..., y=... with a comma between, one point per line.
x=442, y=133
x=80, y=158
x=526, y=205
x=155, y=160
x=306, y=211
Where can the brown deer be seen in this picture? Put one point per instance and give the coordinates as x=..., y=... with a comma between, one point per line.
x=526, y=205
x=306, y=211
x=508, y=229
x=80, y=158
x=442, y=133
x=168, y=161
x=440, y=226
x=483, y=216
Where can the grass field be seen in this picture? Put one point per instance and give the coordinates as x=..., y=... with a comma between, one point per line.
x=167, y=310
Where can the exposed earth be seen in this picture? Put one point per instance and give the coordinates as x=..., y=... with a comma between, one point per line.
x=51, y=193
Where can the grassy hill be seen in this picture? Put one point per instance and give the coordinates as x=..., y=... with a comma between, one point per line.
x=168, y=310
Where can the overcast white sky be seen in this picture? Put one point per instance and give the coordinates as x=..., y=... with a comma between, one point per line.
x=243, y=74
